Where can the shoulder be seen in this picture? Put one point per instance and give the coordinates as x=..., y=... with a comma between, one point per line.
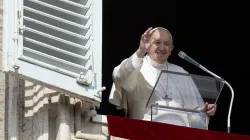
x=177, y=68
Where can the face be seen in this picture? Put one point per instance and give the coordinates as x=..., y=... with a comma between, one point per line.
x=161, y=46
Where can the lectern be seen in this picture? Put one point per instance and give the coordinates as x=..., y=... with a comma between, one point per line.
x=179, y=98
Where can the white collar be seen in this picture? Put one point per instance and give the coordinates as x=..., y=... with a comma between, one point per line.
x=155, y=64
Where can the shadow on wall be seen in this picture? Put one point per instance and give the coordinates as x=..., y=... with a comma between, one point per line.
x=45, y=113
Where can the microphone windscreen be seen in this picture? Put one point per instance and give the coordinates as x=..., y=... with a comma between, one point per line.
x=181, y=54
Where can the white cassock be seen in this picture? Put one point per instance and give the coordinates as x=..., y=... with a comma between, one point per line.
x=134, y=80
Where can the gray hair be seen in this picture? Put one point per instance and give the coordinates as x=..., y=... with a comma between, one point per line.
x=171, y=37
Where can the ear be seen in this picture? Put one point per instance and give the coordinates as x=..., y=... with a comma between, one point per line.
x=171, y=48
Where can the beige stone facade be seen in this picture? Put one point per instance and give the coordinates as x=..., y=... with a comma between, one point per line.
x=2, y=78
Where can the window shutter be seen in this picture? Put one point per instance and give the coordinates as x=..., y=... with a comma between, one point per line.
x=58, y=43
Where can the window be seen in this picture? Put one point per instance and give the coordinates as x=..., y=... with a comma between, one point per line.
x=58, y=43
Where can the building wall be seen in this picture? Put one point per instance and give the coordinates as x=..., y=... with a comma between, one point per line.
x=38, y=113
x=2, y=78
x=35, y=112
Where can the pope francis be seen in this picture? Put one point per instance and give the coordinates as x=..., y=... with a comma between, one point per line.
x=136, y=76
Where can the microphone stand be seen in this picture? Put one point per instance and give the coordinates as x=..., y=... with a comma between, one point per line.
x=232, y=98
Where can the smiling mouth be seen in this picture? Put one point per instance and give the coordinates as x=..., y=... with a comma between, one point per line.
x=161, y=52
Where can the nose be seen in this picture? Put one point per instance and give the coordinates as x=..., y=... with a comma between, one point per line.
x=162, y=46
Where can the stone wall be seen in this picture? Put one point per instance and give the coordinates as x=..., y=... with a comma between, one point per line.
x=2, y=78
x=36, y=112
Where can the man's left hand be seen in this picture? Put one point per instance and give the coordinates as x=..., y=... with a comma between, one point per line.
x=210, y=109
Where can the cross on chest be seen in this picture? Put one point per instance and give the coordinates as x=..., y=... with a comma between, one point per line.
x=167, y=97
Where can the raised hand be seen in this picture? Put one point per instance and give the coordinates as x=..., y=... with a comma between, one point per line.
x=145, y=43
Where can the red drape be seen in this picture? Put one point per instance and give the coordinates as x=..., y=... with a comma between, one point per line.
x=145, y=130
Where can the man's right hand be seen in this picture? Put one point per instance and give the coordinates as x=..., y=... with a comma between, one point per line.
x=145, y=43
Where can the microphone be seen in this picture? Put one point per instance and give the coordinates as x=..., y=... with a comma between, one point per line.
x=184, y=56
x=187, y=58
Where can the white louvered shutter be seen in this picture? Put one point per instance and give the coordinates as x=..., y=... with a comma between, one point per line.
x=56, y=42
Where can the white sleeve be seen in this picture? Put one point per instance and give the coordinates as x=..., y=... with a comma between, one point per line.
x=124, y=80
x=118, y=97
x=136, y=61
x=125, y=74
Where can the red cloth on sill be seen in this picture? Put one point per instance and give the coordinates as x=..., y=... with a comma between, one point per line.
x=134, y=129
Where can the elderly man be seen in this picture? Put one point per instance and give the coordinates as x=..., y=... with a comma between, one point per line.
x=135, y=78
